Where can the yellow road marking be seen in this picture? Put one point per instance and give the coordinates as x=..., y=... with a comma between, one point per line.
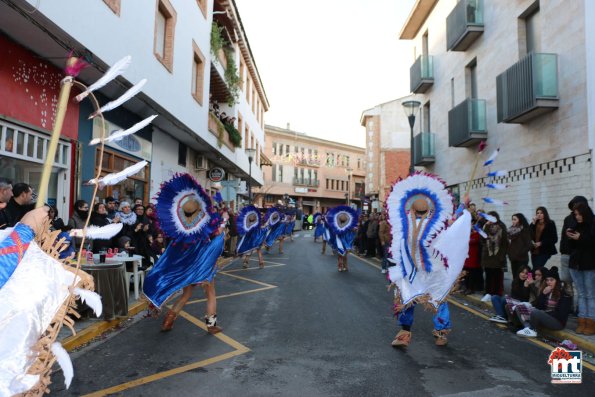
x=249, y=280
x=233, y=294
x=221, y=336
x=254, y=268
x=532, y=340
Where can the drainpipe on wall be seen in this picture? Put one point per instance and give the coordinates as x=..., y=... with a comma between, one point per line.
x=590, y=77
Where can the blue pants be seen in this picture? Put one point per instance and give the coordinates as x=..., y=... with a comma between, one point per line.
x=441, y=318
x=499, y=303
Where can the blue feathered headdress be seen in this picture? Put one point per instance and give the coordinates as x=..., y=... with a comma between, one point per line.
x=248, y=219
x=338, y=226
x=272, y=216
x=317, y=217
x=184, y=210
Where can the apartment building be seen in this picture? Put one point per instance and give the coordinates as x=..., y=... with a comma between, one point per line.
x=210, y=102
x=313, y=173
x=519, y=75
x=387, y=148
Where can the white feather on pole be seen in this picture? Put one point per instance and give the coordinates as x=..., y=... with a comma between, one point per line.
x=116, y=70
x=498, y=173
x=64, y=361
x=491, y=159
x=112, y=179
x=126, y=96
x=116, y=136
x=488, y=217
x=497, y=186
x=92, y=299
x=98, y=232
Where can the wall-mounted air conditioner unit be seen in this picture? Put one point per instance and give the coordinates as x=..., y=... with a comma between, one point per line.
x=202, y=163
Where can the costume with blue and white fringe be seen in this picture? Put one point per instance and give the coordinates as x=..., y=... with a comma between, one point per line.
x=250, y=232
x=187, y=217
x=319, y=230
x=341, y=222
x=429, y=256
x=276, y=227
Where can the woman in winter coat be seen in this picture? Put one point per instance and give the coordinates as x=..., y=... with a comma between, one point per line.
x=551, y=309
x=581, y=242
x=472, y=267
x=520, y=291
x=519, y=236
x=99, y=218
x=544, y=236
x=493, y=256
x=78, y=220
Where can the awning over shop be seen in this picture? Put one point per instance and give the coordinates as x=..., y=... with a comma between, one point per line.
x=264, y=160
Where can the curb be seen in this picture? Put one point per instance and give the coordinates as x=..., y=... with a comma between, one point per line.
x=93, y=331
x=582, y=342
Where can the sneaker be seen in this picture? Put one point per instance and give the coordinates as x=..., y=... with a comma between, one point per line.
x=383, y=271
x=527, y=333
x=499, y=319
x=486, y=298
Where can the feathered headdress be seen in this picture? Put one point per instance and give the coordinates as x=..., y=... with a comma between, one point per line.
x=248, y=219
x=342, y=218
x=184, y=209
x=272, y=216
x=317, y=217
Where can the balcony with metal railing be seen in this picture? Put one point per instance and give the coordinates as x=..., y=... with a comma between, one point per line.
x=464, y=25
x=424, y=148
x=467, y=123
x=421, y=74
x=528, y=89
x=306, y=182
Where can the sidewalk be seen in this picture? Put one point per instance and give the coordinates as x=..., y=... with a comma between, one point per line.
x=88, y=329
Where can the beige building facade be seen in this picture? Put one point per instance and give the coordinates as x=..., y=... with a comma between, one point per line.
x=312, y=173
x=520, y=77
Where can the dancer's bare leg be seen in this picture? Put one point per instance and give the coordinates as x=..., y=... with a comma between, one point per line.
x=245, y=260
x=211, y=317
x=281, y=245
x=323, y=246
x=260, y=258
x=172, y=314
x=345, y=262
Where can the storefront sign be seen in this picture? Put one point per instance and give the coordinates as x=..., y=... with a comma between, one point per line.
x=130, y=144
x=301, y=190
x=216, y=174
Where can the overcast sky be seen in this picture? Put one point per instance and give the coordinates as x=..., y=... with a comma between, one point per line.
x=323, y=62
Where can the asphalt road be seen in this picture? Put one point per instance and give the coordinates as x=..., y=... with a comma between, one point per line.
x=300, y=328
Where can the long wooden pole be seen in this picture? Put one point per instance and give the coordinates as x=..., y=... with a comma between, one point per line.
x=65, y=86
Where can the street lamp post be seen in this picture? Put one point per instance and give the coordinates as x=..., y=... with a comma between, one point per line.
x=410, y=108
x=349, y=173
x=250, y=153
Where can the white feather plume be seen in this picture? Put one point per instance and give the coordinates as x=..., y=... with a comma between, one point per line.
x=116, y=136
x=497, y=186
x=126, y=96
x=98, y=232
x=491, y=159
x=92, y=299
x=489, y=218
x=117, y=69
x=112, y=179
x=64, y=361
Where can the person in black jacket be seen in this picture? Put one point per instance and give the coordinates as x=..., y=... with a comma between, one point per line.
x=569, y=223
x=520, y=291
x=552, y=306
x=581, y=242
x=19, y=204
x=99, y=218
x=544, y=236
x=56, y=223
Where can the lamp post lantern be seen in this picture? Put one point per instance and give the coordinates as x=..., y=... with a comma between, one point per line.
x=250, y=153
x=410, y=108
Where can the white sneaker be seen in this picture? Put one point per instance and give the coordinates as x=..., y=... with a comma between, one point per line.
x=383, y=271
x=498, y=319
x=527, y=333
x=486, y=298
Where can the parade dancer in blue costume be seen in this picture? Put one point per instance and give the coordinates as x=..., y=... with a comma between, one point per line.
x=251, y=234
x=276, y=228
x=290, y=224
x=319, y=230
x=187, y=217
x=342, y=223
x=429, y=256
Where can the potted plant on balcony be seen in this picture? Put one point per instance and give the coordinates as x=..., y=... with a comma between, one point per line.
x=234, y=135
x=220, y=45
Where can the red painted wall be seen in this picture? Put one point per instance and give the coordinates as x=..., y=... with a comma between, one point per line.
x=29, y=89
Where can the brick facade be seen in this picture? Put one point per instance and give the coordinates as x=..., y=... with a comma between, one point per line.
x=395, y=164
